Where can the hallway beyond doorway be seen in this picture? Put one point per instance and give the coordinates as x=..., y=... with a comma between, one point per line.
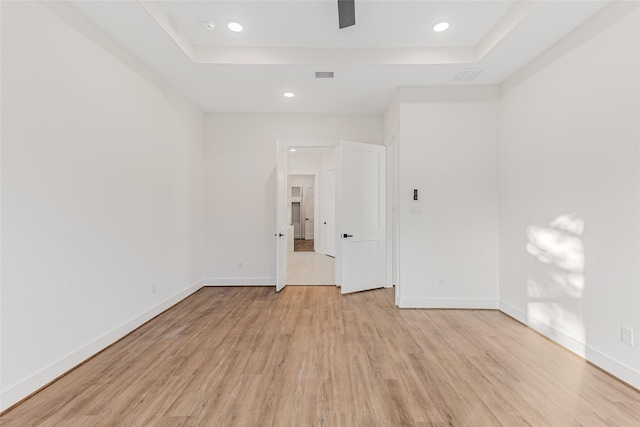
x=310, y=268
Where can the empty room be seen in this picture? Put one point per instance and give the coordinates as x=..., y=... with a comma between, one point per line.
x=465, y=175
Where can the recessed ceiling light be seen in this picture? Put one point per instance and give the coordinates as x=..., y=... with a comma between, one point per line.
x=208, y=25
x=288, y=94
x=292, y=150
x=440, y=27
x=235, y=27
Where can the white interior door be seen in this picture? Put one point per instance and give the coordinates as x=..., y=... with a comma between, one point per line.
x=281, y=216
x=329, y=208
x=309, y=219
x=361, y=216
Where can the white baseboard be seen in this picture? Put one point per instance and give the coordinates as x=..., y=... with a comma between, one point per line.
x=594, y=356
x=625, y=373
x=562, y=338
x=15, y=393
x=240, y=281
x=513, y=311
x=469, y=303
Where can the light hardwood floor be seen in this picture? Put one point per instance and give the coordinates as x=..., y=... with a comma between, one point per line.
x=302, y=245
x=309, y=357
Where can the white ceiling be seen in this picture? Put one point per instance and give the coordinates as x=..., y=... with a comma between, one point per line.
x=315, y=23
x=285, y=42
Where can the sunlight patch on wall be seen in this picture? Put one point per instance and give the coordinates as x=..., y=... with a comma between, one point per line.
x=557, y=283
x=558, y=244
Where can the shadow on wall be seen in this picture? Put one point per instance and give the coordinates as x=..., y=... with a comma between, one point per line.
x=556, y=290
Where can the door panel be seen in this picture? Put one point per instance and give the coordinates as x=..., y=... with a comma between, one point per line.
x=359, y=269
x=360, y=198
x=281, y=216
x=361, y=213
x=329, y=223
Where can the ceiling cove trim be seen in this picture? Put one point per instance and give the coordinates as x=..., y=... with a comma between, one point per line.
x=516, y=15
x=338, y=56
x=160, y=16
x=317, y=56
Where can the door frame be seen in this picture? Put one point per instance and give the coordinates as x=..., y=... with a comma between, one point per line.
x=306, y=144
x=393, y=202
x=325, y=144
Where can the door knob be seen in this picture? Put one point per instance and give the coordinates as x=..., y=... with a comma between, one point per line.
x=278, y=234
x=345, y=235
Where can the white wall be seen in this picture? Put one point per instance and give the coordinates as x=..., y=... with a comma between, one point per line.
x=300, y=181
x=570, y=192
x=240, y=162
x=448, y=151
x=304, y=160
x=102, y=194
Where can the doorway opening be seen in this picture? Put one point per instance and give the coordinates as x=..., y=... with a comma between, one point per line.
x=302, y=195
x=308, y=262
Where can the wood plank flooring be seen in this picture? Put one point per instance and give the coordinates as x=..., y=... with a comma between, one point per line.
x=301, y=245
x=311, y=357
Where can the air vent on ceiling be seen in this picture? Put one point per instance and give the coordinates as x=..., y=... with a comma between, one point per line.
x=467, y=74
x=324, y=74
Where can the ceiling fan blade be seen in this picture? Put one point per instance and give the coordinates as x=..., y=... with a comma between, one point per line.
x=346, y=13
